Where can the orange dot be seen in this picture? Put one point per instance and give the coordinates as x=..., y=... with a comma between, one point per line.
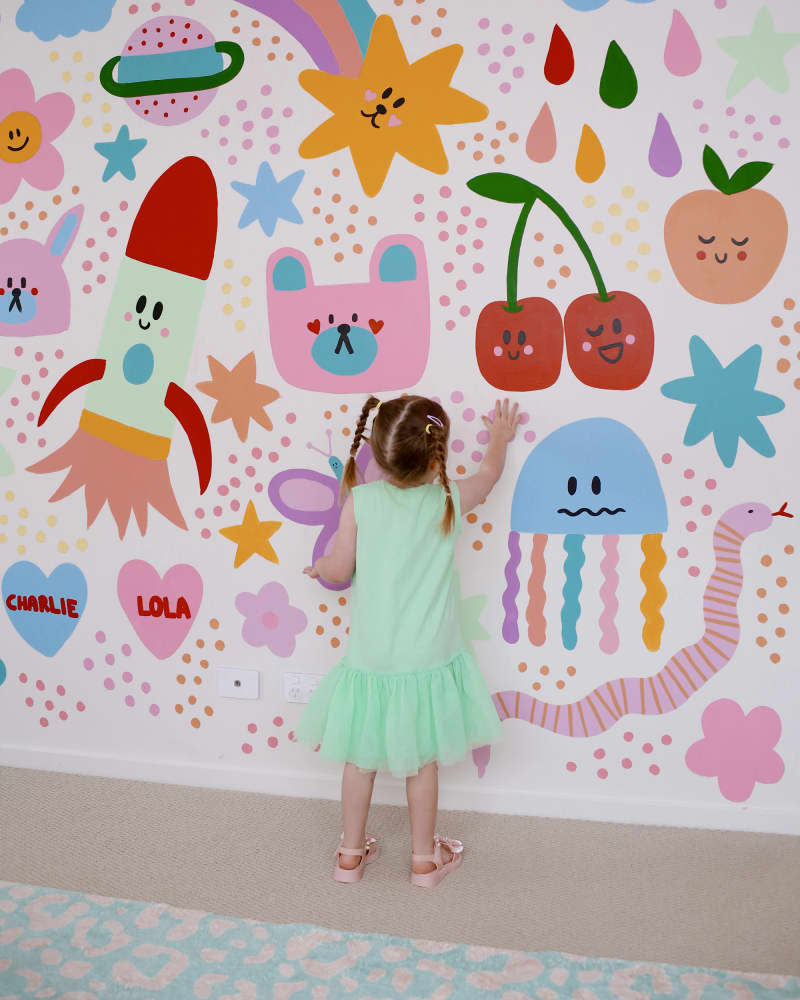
x=12, y=215
x=766, y=560
x=776, y=321
x=761, y=592
x=336, y=620
x=320, y=630
x=544, y=670
x=329, y=218
x=559, y=684
x=461, y=144
x=416, y=19
x=75, y=189
x=347, y=630
x=351, y=229
x=353, y=209
x=522, y=667
x=495, y=143
x=316, y=210
x=796, y=327
x=784, y=609
x=472, y=517
x=783, y=365
x=461, y=469
x=219, y=644
x=336, y=198
x=335, y=237
x=486, y=527
x=441, y=12
x=780, y=632
x=538, y=261
x=336, y=171
x=180, y=679
x=338, y=256
x=186, y=658
x=56, y=199
x=551, y=283
x=334, y=642
x=317, y=190
x=255, y=24
x=323, y=608
x=512, y=137
x=536, y=686
x=775, y=657
x=198, y=680
x=796, y=383
x=208, y=710
x=538, y=237
x=4, y=231
x=343, y=601
x=478, y=137
x=179, y=709
x=783, y=339
x=558, y=248
x=571, y=671
x=192, y=699
x=200, y=643
x=236, y=29
x=346, y=431
x=499, y=159
x=204, y=664
x=29, y=205
x=500, y=126
x=372, y=220
x=23, y=225
x=781, y=581
x=436, y=31
x=357, y=248
x=761, y=641
x=256, y=41
x=564, y=271
x=477, y=155
x=195, y=723
x=234, y=13
x=42, y=215
x=214, y=623
x=788, y=303
x=788, y=549
x=762, y=617
x=477, y=545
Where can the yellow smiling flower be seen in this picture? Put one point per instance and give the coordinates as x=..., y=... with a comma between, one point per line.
x=392, y=106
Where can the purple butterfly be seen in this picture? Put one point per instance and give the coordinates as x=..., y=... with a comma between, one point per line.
x=309, y=497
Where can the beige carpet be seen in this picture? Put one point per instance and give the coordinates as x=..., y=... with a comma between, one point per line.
x=714, y=899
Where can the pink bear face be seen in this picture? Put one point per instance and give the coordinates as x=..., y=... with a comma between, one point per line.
x=369, y=337
x=34, y=293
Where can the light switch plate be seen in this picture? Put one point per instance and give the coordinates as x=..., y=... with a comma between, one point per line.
x=235, y=682
x=299, y=687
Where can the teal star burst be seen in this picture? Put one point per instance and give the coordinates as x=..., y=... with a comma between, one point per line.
x=269, y=199
x=759, y=55
x=120, y=154
x=726, y=401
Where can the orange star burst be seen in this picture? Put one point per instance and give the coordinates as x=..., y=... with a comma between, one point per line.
x=251, y=537
x=239, y=397
x=392, y=106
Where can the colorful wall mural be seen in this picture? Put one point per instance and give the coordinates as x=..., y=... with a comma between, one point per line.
x=236, y=220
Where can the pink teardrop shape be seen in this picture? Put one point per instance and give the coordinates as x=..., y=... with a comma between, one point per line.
x=682, y=55
x=541, y=142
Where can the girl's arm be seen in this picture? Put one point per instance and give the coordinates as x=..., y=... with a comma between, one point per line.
x=339, y=565
x=474, y=489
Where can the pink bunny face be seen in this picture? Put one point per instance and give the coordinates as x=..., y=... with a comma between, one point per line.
x=34, y=293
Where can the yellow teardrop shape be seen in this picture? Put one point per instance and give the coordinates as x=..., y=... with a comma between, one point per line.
x=591, y=160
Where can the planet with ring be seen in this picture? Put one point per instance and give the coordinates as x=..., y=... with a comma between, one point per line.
x=170, y=69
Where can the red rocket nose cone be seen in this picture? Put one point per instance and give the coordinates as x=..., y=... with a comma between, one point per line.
x=176, y=226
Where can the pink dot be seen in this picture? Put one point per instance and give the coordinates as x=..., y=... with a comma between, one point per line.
x=483, y=23
x=504, y=88
x=418, y=199
x=457, y=396
x=705, y=510
x=599, y=753
x=127, y=676
x=528, y=37
x=87, y=265
x=43, y=722
x=509, y=50
x=205, y=533
x=494, y=67
x=444, y=235
x=450, y=325
x=683, y=552
x=444, y=300
x=18, y=351
x=586, y=346
x=62, y=715
x=272, y=131
x=80, y=706
x=145, y=687
x=110, y=659
x=40, y=685
x=266, y=90
x=647, y=747
x=627, y=736
x=758, y=136
x=272, y=742
x=741, y=153
x=88, y=664
x=246, y=748
x=530, y=436
x=774, y=119
x=469, y=413
x=23, y=679
x=517, y=72
x=697, y=103
x=287, y=112
x=252, y=728
x=654, y=769
x=419, y=216
x=205, y=133
x=273, y=456
x=507, y=29
x=571, y=765
x=100, y=636
x=730, y=111
x=104, y=216
x=130, y=701
x=478, y=244
x=29, y=702
x=460, y=285
x=691, y=526
x=458, y=444
x=483, y=49
x=720, y=4
x=686, y=501
x=49, y=705
x=749, y=119
x=783, y=143
x=108, y=684
x=164, y=332
x=477, y=456
x=482, y=437
x=688, y=473
x=441, y=216
x=733, y=134
x=626, y=762
x=154, y=710
x=223, y=120
x=703, y=128
x=241, y=105
x=602, y=773
x=277, y=721
x=711, y=484
x=445, y=191
x=666, y=740
x=694, y=571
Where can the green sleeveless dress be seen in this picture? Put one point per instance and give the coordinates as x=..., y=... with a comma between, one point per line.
x=407, y=691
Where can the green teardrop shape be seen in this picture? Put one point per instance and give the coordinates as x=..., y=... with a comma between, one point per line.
x=618, y=83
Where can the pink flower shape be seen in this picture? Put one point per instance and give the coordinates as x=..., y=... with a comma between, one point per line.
x=269, y=619
x=27, y=130
x=738, y=748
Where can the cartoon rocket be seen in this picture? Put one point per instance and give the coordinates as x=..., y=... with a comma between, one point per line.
x=119, y=452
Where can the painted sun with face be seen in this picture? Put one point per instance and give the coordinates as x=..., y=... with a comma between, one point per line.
x=27, y=130
x=391, y=107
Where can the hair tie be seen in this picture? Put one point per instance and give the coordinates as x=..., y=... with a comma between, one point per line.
x=434, y=420
x=378, y=405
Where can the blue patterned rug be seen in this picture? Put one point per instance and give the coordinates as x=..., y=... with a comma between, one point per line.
x=72, y=946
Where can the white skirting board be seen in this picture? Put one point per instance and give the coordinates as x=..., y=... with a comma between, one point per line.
x=390, y=791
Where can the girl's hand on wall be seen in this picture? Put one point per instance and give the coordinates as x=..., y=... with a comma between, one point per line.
x=311, y=571
x=504, y=422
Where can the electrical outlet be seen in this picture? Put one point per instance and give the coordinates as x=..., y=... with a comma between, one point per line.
x=234, y=682
x=300, y=687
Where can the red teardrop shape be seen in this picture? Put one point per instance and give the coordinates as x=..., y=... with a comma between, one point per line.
x=560, y=62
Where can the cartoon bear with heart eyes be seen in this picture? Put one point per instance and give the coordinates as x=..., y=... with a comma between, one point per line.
x=367, y=337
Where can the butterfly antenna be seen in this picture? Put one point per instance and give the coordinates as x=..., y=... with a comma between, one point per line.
x=327, y=453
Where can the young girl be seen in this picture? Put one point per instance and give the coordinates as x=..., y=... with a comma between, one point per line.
x=407, y=695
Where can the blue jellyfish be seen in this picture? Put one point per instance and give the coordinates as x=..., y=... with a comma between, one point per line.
x=589, y=477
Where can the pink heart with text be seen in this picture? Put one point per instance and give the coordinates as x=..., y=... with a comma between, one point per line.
x=161, y=610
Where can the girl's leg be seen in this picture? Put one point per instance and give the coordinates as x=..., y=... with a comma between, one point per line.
x=356, y=797
x=422, y=792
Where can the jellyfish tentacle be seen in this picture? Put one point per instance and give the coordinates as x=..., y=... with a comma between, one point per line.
x=534, y=615
x=510, y=627
x=571, y=608
x=655, y=593
x=609, y=636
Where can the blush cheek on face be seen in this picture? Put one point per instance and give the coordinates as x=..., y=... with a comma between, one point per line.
x=586, y=345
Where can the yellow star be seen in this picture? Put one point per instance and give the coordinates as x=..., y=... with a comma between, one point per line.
x=251, y=537
x=393, y=106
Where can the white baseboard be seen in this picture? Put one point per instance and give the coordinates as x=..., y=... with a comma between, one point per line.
x=489, y=798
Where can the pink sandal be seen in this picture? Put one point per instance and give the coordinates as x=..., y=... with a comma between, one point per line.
x=367, y=853
x=430, y=879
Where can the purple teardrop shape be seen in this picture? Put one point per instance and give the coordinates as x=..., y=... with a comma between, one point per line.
x=664, y=156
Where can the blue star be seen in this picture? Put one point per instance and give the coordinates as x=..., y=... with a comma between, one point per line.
x=120, y=154
x=269, y=200
x=726, y=401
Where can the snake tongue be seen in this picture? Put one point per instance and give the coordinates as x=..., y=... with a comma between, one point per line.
x=782, y=511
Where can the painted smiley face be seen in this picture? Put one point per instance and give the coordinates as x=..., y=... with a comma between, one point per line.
x=610, y=343
x=609, y=351
x=521, y=350
x=385, y=111
x=20, y=137
x=513, y=346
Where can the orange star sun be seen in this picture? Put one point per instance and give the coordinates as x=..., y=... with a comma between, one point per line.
x=392, y=106
x=251, y=537
x=239, y=397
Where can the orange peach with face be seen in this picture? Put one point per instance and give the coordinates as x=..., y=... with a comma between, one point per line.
x=725, y=243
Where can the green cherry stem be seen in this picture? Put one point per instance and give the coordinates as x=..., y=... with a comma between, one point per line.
x=512, y=272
